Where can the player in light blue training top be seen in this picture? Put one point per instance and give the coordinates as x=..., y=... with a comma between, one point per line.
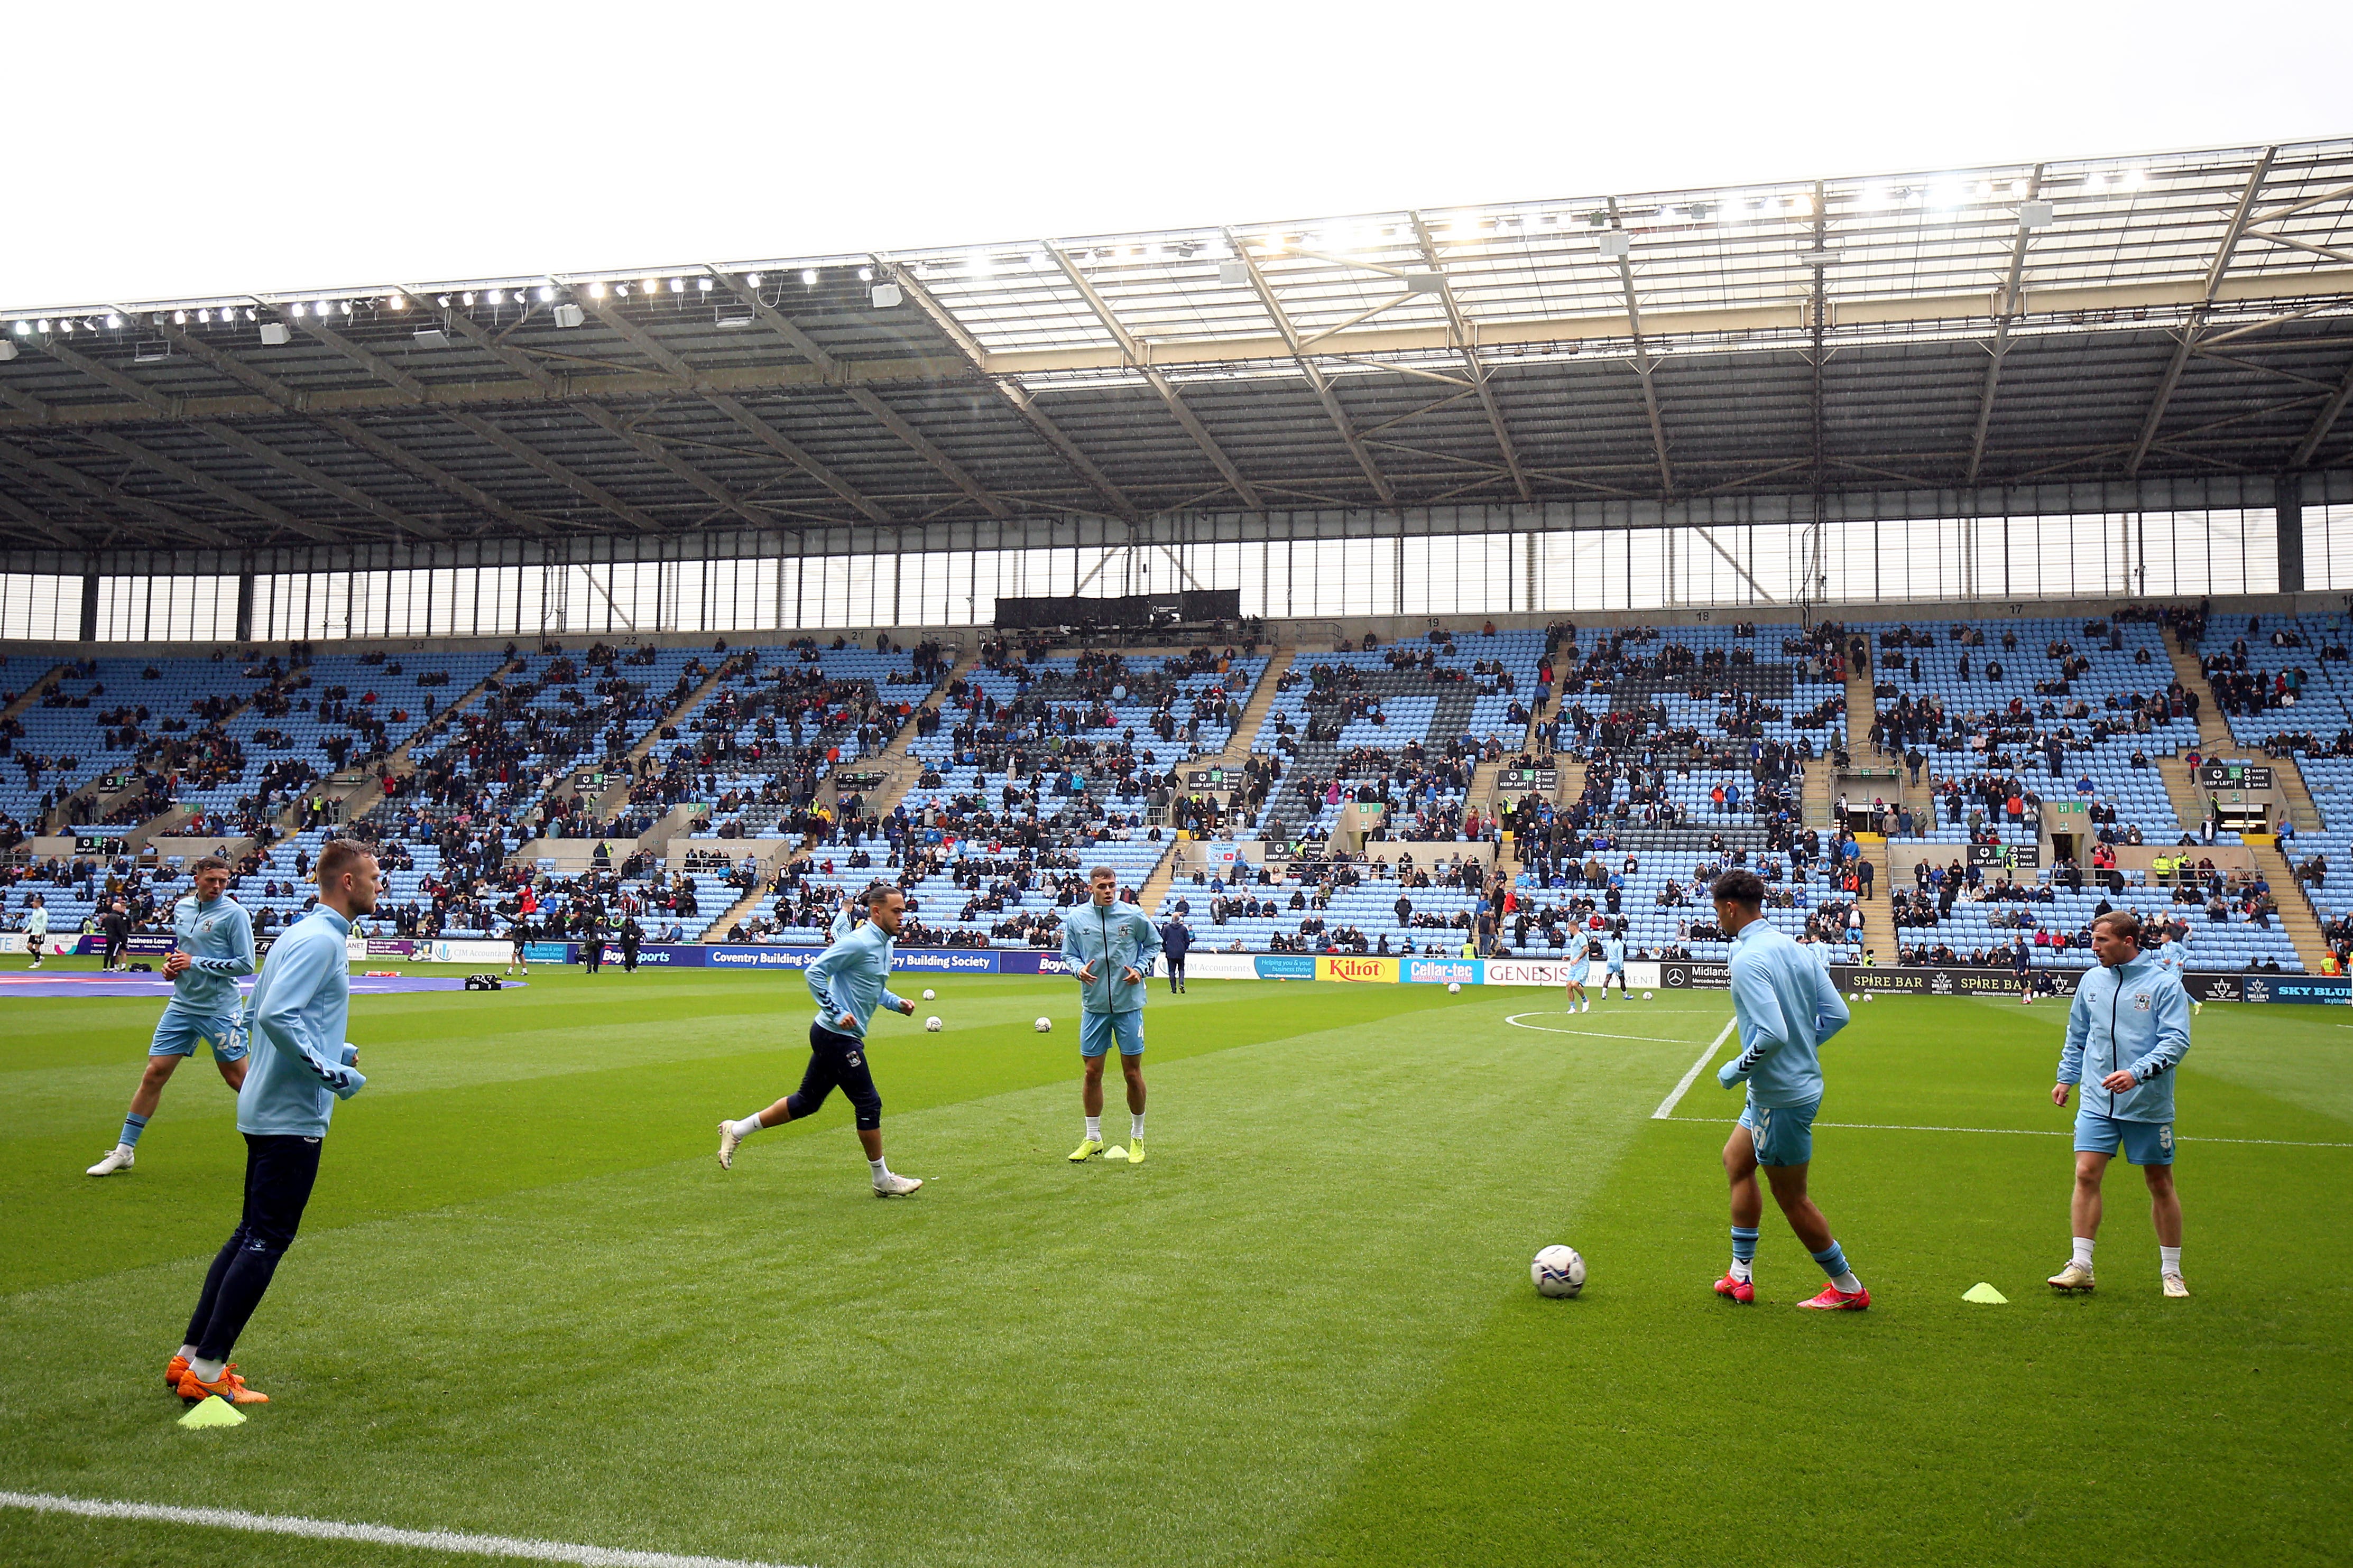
x=1580, y=969
x=213, y=938
x=2173, y=954
x=1110, y=944
x=1613, y=965
x=1786, y=1007
x=2127, y=1030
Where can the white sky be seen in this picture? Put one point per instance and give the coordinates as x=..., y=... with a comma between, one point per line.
x=171, y=151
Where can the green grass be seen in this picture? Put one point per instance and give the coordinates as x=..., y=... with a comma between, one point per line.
x=527, y=1302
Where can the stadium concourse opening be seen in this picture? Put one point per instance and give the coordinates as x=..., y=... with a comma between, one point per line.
x=1379, y=622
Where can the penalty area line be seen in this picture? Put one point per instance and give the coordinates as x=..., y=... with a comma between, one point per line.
x=2025, y=1133
x=1666, y=1111
x=374, y=1534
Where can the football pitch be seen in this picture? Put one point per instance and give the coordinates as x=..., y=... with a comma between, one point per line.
x=528, y=1303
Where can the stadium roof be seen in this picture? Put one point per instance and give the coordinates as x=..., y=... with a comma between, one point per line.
x=2183, y=313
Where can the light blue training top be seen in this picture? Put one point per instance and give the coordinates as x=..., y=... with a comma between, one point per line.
x=1109, y=940
x=2132, y=1018
x=301, y=1064
x=853, y=977
x=1787, y=1007
x=218, y=940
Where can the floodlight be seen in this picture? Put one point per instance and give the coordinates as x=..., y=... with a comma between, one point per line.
x=546, y=293
x=885, y=296
x=114, y=321
x=24, y=329
x=179, y=317
x=596, y=290
x=569, y=315
x=809, y=276
x=866, y=275
x=752, y=280
x=275, y=334
x=678, y=285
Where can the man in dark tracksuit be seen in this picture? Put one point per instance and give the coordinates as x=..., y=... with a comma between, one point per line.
x=1176, y=941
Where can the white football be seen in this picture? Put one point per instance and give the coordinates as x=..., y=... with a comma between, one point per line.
x=1557, y=1271
x=1454, y=988
x=931, y=996
x=1646, y=996
x=1045, y=1025
x=1867, y=995
x=931, y=1026
x=1852, y=997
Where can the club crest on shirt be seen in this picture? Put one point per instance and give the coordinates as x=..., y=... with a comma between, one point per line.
x=2140, y=1002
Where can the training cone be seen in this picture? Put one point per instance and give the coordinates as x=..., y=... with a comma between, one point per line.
x=1116, y=1152
x=214, y=1411
x=1985, y=1294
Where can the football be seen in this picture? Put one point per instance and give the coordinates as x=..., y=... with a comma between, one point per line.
x=1045, y=1025
x=1646, y=996
x=1454, y=988
x=1557, y=1271
x=931, y=996
x=931, y=1026
x=1852, y=997
x=1866, y=995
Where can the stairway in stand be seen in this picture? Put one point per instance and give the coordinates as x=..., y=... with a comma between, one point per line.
x=1878, y=910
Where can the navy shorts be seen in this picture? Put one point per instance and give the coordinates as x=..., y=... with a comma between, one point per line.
x=837, y=1061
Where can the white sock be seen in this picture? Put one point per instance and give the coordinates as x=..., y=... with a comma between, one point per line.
x=1846, y=1284
x=1136, y=1124
x=186, y=1352
x=2082, y=1259
x=1094, y=1128
x=745, y=1128
x=2168, y=1260
x=881, y=1170
x=206, y=1370
x=1744, y=1270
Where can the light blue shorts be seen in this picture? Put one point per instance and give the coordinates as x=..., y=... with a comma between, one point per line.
x=2143, y=1142
x=1096, y=1031
x=1784, y=1134
x=1579, y=972
x=177, y=1034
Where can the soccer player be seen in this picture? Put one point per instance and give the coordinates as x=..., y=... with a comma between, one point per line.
x=1786, y=1007
x=213, y=938
x=1613, y=963
x=301, y=1064
x=1175, y=942
x=2129, y=1029
x=1580, y=965
x=2173, y=954
x=2021, y=964
x=36, y=929
x=850, y=981
x=846, y=919
x=1111, y=944
x=519, y=934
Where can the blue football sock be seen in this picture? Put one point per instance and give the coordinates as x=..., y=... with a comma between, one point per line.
x=1744, y=1244
x=132, y=1127
x=1834, y=1260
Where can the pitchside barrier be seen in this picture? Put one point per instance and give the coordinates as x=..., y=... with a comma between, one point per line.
x=1641, y=975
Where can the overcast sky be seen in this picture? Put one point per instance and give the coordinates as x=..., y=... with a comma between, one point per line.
x=161, y=152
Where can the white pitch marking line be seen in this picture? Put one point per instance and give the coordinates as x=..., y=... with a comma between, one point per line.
x=1586, y=1033
x=375, y=1534
x=1666, y=1111
x=2031, y=1132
